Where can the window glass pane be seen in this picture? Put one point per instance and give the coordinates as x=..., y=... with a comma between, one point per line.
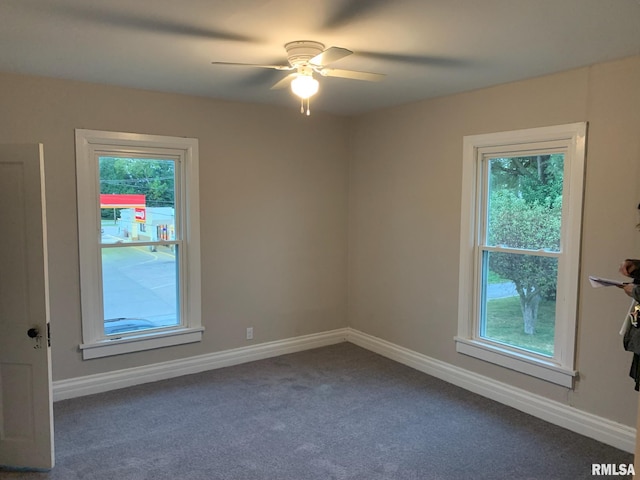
x=519, y=300
x=137, y=199
x=139, y=288
x=525, y=202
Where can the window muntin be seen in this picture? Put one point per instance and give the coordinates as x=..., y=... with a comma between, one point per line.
x=522, y=208
x=138, y=217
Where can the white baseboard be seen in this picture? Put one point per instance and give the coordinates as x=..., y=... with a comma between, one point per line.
x=584, y=423
x=587, y=424
x=103, y=382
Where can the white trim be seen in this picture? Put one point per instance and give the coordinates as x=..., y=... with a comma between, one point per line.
x=584, y=423
x=104, y=382
x=137, y=343
x=571, y=138
x=592, y=426
x=517, y=360
x=185, y=152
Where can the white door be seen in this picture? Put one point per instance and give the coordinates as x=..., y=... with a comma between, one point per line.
x=26, y=408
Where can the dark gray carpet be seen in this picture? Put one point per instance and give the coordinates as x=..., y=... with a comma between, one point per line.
x=339, y=412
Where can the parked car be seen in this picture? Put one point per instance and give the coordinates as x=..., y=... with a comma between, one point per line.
x=126, y=325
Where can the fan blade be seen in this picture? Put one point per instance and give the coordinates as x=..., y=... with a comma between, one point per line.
x=273, y=67
x=330, y=55
x=427, y=60
x=352, y=74
x=284, y=82
x=351, y=10
x=261, y=78
x=133, y=21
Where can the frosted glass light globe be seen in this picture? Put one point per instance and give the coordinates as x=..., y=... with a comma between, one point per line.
x=304, y=86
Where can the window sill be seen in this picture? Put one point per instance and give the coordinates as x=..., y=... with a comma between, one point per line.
x=137, y=343
x=520, y=362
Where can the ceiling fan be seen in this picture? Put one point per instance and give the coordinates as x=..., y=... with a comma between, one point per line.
x=307, y=57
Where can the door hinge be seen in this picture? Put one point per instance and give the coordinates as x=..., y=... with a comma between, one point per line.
x=48, y=334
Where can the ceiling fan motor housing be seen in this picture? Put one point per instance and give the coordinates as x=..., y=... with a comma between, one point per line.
x=300, y=52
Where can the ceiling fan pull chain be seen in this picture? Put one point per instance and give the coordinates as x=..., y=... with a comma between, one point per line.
x=308, y=110
x=302, y=105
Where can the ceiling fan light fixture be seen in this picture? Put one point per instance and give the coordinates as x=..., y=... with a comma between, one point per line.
x=308, y=57
x=304, y=86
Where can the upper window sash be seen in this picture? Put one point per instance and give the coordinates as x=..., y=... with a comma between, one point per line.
x=484, y=155
x=177, y=156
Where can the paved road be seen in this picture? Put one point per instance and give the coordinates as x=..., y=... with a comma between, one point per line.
x=139, y=283
x=501, y=290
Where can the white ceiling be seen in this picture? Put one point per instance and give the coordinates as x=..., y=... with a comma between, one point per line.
x=426, y=48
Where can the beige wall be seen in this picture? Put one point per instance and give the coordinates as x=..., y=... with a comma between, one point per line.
x=404, y=220
x=273, y=208
x=281, y=194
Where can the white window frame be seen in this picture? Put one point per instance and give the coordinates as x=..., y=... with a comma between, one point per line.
x=90, y=144
x=569, y=139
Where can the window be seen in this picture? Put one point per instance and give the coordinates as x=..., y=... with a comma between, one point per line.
x=139, y=241
x=519, y=255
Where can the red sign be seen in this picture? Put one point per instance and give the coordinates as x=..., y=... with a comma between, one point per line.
x=124, y=200
x=141, y=215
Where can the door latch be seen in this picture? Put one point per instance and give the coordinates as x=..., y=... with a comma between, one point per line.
x=35, y=334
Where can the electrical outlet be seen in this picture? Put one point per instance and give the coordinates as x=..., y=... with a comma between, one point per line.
x=249, y=333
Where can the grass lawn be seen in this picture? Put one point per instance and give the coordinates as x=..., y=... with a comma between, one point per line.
x=495, y=278
x=505, y=324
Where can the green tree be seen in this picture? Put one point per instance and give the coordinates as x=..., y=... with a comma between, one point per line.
x=525, y=210
x=150, y=177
